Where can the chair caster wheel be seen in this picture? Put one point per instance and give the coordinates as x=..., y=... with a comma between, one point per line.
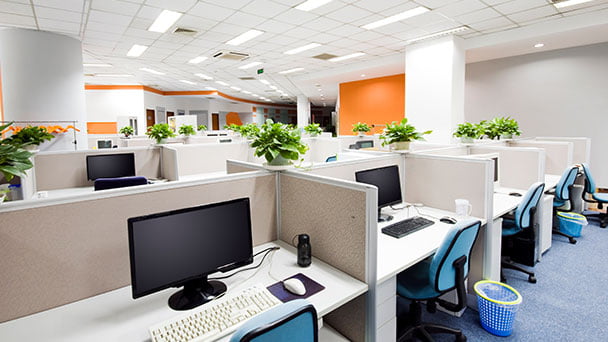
x=532, y=279
x=572, y=241
x=602, y=225
x=461, y=338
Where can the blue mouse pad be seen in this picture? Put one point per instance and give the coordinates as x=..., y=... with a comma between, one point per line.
x=279, y=291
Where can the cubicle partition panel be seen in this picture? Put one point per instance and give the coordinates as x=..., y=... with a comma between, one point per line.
x=238, y=166
x=54, y=252
x=416, y=146
x=208, y=158
x=581, y=150
x=168, y=163
x=199, y=139
x=518, y=167
x=558, y=154
x=320, y=148
x=340, y=218
x=457, y=150
x=347, y=140
x=346, y=169
x=68, y=169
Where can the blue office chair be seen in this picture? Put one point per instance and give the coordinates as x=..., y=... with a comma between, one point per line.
x=562, y=200
x=517, y=240
x=590, y=196
x=331, y=159
x=294, y=321
x=120, y=182
x=429, y=279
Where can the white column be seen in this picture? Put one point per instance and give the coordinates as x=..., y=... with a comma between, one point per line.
x=434, y=86
x=42, y=79
x=303, y=111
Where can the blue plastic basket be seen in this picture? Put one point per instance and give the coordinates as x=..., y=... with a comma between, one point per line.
x=571, y=223
x=497, y=303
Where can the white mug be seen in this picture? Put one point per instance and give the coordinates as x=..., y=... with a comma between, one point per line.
x=463, y=207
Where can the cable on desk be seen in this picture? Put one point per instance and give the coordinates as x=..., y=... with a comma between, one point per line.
x=267, y=250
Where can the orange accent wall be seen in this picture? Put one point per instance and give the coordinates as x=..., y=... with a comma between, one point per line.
x=373, y=101
x=233, y=118
x=102, y=128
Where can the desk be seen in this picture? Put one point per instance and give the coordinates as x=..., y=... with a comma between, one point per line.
x=396, y=255
x=115, y=316
x=551, y=181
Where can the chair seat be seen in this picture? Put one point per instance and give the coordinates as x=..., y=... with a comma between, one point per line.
x=509, y=228
x=413, y=283
x=600, y=197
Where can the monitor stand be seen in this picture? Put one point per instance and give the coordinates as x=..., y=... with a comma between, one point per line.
x=383, y=217
x=196, y=292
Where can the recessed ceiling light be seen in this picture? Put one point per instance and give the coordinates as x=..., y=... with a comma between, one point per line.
x=302, y=48
x=352, y=55
x=97, y=65
x=136, y=50
x=222, y=83
x=273, y=87
x=235, y=88
x=442, y=33
x=265, y=82
x=197, y=60
x=246, y=92
x=362, y=75
x=539, y=45
x=164, y=20
x=203, y=76
x=250, y=65
x=244, y=37
x=113, y=75
x=309, y=5
x=188, y=82
x=255, y=95
x=152, y=71
x=397, y=17
x=567, y=3
x=290, y=71
x=267, y=100
x=319, y=89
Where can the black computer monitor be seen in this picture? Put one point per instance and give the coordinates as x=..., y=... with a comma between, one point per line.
x=495, y=159
x=110, y=165
x=386, y=179
x=182, y=247
x=365, y=144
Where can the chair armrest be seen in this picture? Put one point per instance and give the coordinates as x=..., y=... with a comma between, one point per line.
x=461, y=291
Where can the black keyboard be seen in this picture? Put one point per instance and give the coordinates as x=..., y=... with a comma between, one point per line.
x=407, y=226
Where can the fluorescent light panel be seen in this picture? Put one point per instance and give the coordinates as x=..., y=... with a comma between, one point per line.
x=309, y=5
x=136, y=50
x=203, y=76
x=97, y=65
x=164, y=20
x=222, y=83
x=250, y=65
x=539, y=45
x=568, y=3
x=244, y=37
x=290, y=71
x=397, y=17
x=442, y=33
x=152, y=71
x=197, y=60
x=302, y=48
x=342, y=58
x=235, y=88
x=188, y=82
x=265, y=82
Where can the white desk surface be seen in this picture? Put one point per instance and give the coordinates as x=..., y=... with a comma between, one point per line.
x=115, y=316
x=504, y=203
x=551, y=181
x=201, y=176
x=396, y=255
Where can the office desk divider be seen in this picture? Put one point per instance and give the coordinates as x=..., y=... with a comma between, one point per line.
x=346, y=169
x=347, y=140
x=581, y=147
x=518, y=167
x=320, y=148
x=57, y=251
x=558, y=154
x=68, y=169
x=237, y=166
x=206, y=158
x=454, y=150
x=340, y=217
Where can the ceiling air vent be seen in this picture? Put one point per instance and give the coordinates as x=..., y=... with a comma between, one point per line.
x=230, y=55
x=324, y=56
x=185, y=31
x=247, y=78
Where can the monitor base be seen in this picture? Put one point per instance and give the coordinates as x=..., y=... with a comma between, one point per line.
x=384, y=218
x=195, y=293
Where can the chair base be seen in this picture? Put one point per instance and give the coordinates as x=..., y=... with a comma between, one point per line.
x=418, y=330
x=571, y=239
x=601, y=217
x=506, y=263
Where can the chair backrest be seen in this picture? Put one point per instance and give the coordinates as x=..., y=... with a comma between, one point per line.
x=562, y=193
x=331, y=159
x=457, y=243
x=589, y=182
x=530, y=200
x=121, y=182
x=294, y=321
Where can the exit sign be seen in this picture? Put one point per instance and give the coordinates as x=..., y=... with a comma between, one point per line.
x=260, y=71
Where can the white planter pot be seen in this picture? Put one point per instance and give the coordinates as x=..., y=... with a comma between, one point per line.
x=402, y=145
x=467, y=140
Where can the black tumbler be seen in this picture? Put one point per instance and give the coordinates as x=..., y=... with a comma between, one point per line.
x=304, y=253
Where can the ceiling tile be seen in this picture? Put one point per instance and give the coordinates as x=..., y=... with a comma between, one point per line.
x=233, y=4
x=519, y=5
x=149, y=12
x=377, y=6
x=47, y=24
x=322, y=24
x=70, y=5
x=173, y=5
x=210, y=11
x=477, y=16
x=265, y=8
x=114, y=6
x=57, y=14
x=109, y=18
x=348, y=14
x=196, y=23
x=295, y=17
x=461, y=7
x=536, y=13
x=491, y=24
x=274, y=26
x=244, y=19
x=95, y=26
x=432, y=4
x=15, y=8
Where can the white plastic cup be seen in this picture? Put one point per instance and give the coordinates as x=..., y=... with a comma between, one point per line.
x=463, y=207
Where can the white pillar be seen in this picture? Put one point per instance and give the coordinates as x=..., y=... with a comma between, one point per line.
x=303, y=111
x=434, y=87
x=42, y=80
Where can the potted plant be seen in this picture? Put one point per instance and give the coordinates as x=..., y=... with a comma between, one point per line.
x=278, y=143
x=160, y=132
x=14, y=160
x=467, y=132
x=186, y=130
x=30, y=137
x=233, y=127
x=202, y=129
x=313, y=129
x=508, y=127
x=127, y=131
x=361, y=128
x=249, y=131
x=401, y=134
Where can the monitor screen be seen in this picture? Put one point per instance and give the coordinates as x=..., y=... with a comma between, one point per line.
x=386, y=179
x=181, y=247
x=365, y=144
x=110, y=165
x=495, y=168
x=104, y=143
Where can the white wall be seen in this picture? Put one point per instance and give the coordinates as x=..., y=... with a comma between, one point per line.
x=555, y=93
x=107, y=105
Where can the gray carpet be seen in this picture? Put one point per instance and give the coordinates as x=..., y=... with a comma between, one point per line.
x=568, y=303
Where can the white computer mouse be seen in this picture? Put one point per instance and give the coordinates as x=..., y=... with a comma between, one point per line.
x=294, y=286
